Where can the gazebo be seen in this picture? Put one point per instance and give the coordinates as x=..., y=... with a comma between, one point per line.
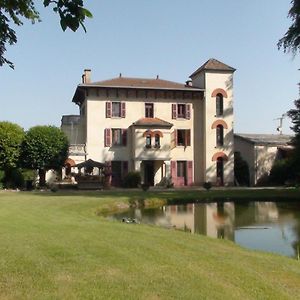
x=88, y=180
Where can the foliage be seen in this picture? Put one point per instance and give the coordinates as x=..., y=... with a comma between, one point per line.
x=294, y=114
x=132, y=180
x=14, y=179
x=280, y=172
x=2, y=175
x=11, y=137
x=207, y=185
x=241, y=170
x=72, y=14
x=44, y=148
x=291, y=39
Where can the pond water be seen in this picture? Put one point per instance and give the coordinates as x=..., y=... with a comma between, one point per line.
x=267, y=226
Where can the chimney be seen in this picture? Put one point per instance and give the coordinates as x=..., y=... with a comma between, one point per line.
x=157, y=77
x=86, y=77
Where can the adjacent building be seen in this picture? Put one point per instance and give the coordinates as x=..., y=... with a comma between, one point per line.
x=260, y=151
x=161, y=128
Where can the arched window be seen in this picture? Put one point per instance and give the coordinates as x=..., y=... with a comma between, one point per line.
x=220, y=171
x=220, y=135
x=148, y=141
x=157, y=141
x=219, y=105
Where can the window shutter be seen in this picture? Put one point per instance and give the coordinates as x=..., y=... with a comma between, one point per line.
x=107, y=137
x=108, y=109
x=125, y=168
x=188, y=137
x=173, y=139
x=124, y=137
x=188, y=111
x=174, y=111
x=123, y=109
x=174, y=172
x=189, y=172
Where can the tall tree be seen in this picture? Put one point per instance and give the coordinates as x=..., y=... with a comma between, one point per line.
x=291, y=39
x=72, y=14
x=294, y=114
x=11, y=137
x=44, y=148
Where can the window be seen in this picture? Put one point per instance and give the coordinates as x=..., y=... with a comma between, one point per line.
x=182, y=111
x=115, y=137
x=157, y=141
x=219, y=105
x=183, y=137
x=149, y=110
x=220, y=135
x=115, y=109
x=148, y=141
x=181, y=168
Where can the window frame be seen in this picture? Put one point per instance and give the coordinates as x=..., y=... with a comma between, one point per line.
x=220, y=135
x=219, y=105
x=149, y=110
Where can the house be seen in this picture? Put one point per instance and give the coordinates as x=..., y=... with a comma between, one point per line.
x=260, y=152
x=158, y=127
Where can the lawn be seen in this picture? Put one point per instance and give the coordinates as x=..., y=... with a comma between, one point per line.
x=58, y=246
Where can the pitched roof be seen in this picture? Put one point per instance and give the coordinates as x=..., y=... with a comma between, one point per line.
x=213, y=65
x=141, y=83
x=152, y=122
x=266, y=139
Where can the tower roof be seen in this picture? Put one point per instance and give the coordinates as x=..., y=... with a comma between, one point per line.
x=213, y=65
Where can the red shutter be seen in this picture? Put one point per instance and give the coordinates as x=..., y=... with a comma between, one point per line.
x=124, y=137
x=189, y=172
x=188, y=111
x=174, y=172
x=108, y=109
x=187, y=137
x=174, y=111
x=123, y=109
x=107, y=137
x=125, y=168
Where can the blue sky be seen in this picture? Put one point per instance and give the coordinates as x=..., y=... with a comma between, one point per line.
x=145, y=38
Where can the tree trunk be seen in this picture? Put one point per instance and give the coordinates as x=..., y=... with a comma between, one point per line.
x=42, y=175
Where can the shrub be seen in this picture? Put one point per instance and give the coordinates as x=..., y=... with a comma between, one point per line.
x=14, y=179
x=207, y=185
x=132, y=180
x=280, y=172
x=241, y=170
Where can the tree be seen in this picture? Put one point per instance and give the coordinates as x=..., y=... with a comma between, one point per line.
x=71, y=12
x=294, y=114
x=11, y=137
x=241, y=170
x=291, y=39
x=44, y=148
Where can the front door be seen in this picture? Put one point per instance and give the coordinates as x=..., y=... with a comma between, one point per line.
x=149, y=172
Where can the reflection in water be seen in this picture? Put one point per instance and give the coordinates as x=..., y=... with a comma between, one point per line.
x=267, y=226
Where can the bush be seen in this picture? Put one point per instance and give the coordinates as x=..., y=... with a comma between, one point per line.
x=14, y=179
x=207, y=185
x=241, y=170
x=2, y=175
x=280, y=172
x=132, y=180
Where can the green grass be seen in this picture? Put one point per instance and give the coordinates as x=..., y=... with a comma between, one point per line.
x=55, y=246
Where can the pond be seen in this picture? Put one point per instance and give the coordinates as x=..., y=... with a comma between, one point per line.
x=267, y=226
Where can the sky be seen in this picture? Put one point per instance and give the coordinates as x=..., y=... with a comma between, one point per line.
x=142, y=38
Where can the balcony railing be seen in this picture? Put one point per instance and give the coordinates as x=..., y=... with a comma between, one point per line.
x=77, y=150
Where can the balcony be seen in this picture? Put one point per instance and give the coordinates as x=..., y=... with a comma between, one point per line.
x=77, y=150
